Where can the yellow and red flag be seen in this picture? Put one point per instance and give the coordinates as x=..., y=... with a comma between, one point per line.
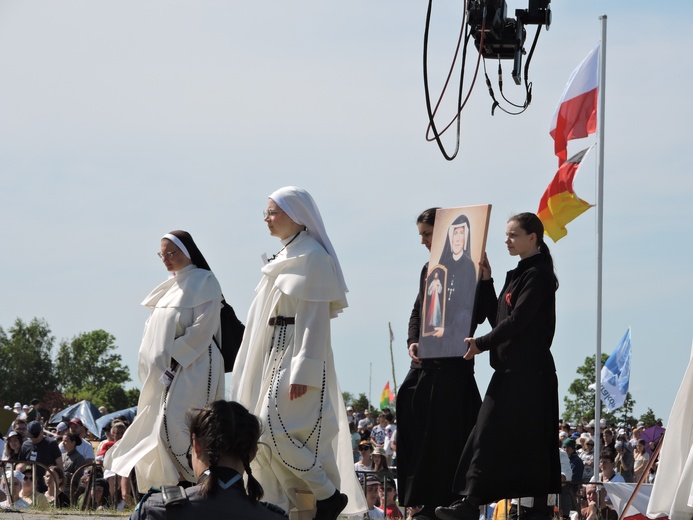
x=559, y=204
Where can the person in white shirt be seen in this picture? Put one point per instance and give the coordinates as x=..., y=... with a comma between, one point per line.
x=371, y=486
x=366, y=423
x=351, y=418
x=14, y=480
x=366, y=463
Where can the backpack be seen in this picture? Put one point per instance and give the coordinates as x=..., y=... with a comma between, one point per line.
x=231, y=335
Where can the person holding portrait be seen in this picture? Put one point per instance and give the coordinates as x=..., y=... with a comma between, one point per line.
x=523, y=388
x=438, y=401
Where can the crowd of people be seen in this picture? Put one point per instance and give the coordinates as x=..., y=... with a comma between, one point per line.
x=60, y=467
x=623, y=445
x=624, y=457
x=67, y=451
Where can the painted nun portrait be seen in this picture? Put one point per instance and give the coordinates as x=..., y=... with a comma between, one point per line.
x=451, y=287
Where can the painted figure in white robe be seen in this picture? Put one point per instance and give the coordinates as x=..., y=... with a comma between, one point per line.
x=434, y=315
x=284, y=372
x=179, y=365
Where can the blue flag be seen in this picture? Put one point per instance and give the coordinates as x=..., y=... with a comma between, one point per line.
x=616, y=374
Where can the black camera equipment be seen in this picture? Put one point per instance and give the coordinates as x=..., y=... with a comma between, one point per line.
x=496, y=36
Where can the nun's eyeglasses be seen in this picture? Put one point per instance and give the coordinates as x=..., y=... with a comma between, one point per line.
x=268, y=213
x=166, y=255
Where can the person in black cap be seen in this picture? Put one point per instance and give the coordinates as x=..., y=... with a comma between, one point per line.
x=39, y=448
x=13, y=444
x=370, y=484
x=179, y=365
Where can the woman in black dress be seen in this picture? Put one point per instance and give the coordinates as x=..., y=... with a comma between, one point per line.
x=523, y=388
x=437, y=406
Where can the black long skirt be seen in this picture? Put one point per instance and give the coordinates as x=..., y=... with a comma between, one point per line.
x=437, y=407
x=488, y=470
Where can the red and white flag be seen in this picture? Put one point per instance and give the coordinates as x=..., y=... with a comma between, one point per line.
x=576, y=113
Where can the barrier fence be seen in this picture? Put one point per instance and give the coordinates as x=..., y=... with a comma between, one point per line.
x=84, y=477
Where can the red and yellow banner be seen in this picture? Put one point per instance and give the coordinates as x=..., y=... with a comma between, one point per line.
x=559, y=204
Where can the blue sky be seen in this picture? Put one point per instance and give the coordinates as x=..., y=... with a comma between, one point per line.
x=120, y=121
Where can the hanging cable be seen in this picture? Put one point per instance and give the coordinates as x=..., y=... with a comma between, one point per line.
x=497, y=43
x=528, y=85
x=464, y=35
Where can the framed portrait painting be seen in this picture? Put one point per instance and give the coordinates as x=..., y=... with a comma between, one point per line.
x=459, y=242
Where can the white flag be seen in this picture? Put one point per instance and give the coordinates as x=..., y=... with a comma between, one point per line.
x=616, y=375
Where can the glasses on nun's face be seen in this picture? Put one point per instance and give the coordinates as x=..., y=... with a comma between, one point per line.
x=269, y=213
x=166, y=256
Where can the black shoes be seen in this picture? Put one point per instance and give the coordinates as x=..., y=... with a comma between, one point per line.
x=460, y=510
x=426, y=513
x=330, y=508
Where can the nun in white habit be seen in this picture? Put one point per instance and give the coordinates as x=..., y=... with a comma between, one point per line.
x=179, y=365
x=284, y=372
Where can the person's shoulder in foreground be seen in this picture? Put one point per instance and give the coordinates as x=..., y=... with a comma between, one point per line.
x=231, y=503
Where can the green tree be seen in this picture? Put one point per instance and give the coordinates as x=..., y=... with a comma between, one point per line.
x=624, y=414
x=649, y=418
x=348, y=397
x=133, y=395
x=111, y=395
x=88, y=361
x=582, y=403
x=361, y=403
x=26, y=370
x=114, y=396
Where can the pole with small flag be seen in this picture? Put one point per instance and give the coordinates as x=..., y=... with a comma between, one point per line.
x=580, y=112
x=600, y=231
x=392, y=357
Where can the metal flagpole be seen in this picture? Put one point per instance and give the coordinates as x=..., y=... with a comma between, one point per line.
x=370, y=385
x=600, y=239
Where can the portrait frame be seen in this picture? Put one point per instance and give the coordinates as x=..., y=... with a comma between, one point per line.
x=458, y=245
